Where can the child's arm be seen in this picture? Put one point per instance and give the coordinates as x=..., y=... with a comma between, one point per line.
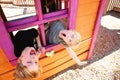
x=74, y=56
x=38, y=41
x=40, y=48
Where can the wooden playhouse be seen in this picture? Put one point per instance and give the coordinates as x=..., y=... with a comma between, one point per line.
x=83, y=16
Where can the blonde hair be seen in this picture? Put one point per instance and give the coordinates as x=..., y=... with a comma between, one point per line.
x=75, y=41
x=22, y=73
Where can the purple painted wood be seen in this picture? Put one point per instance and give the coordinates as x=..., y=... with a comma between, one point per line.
x=13, y=62
x=5, y=41
x=38, y=8
x=57, y=13
x=73, y=7
x=13, y=23
x=20, y=21
x=97, y=25
x=26, y=25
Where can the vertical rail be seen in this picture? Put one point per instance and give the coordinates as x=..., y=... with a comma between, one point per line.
x=73, y=8
x=5, y=41
x=66, y=4
x=40, y=17
x=60, y=4
x=97, y=25
x=106, y=6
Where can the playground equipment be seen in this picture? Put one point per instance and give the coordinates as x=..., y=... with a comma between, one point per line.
x=83, y=16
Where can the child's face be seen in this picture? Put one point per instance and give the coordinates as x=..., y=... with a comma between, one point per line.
x=30, y=58
x=67, y=36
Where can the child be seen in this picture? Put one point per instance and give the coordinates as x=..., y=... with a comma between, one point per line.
x=58, y=34
x=49, y=6
x=28, y=50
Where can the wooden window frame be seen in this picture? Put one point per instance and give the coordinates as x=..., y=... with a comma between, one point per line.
x=39, y=19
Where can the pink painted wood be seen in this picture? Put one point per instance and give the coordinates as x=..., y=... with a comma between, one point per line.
x=97, y=25
x=38, y=8
x=5, y=41
x=32, y=19
x=25, y=25
x=10, y=24
x=73, y=7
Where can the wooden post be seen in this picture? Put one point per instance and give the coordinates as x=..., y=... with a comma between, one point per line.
x=72, y=13
x=38, y=8
x=106, y=6
x=5, y=41
x=97, y=25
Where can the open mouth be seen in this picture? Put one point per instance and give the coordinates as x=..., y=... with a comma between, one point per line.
x=32, y=52
x=64, y=34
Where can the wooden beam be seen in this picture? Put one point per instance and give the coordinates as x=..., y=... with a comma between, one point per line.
x=106, y=6
x=116, y=9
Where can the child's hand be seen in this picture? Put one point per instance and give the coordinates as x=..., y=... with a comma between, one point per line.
x=41, y=50
x=82, y=63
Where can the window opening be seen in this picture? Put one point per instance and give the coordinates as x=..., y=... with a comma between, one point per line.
x=61, y=13
x=18, y=9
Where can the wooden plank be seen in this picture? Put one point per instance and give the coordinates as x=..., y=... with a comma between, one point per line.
x=116, y=9
x=85, y=20
x=64, y=59
x=106, y=6
x=9, y=75
x=62, y=67
x=85, y=25
x=3, y=57
x=89, y=8
x=87, y=1
x=47, y=60
x=96, y=29
x=6, y=67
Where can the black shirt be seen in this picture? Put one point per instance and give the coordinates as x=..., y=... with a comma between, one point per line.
x=23, y=39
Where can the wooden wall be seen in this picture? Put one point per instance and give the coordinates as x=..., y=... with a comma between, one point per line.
x=86, y=17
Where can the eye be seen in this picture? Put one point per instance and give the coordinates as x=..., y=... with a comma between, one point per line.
x=36, y=62
x=29, y=62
